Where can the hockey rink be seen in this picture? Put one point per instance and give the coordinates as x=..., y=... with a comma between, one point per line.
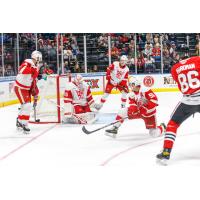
x=67, y=145
x=61, y=162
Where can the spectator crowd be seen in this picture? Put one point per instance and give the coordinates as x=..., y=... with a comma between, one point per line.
x=143, y=50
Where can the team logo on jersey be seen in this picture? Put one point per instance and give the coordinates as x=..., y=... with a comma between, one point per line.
x=148, y=81
x=119, y=74
x=80, y=94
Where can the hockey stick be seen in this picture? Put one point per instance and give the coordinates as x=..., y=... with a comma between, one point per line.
x=98, y=129
x=34, y=110
x=123, y=88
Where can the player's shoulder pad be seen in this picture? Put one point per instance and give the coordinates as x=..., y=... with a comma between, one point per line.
x=29, y=61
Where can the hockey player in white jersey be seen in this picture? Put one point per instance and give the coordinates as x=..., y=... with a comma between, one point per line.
x=117, y=77
x=78, y=102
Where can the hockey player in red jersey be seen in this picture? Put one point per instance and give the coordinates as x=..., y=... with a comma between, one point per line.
x=117, y=77
x=142, y=105
x=78, y=101
x=25, y=87
x=187, y=75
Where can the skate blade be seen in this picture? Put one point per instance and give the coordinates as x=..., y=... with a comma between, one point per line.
x=163, y=162
x=112, y=135
x=19, y=128
x=26, y=132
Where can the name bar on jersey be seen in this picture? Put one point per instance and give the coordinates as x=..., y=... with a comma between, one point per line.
x=185, y=67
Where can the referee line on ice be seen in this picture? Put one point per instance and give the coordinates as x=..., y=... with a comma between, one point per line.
x=137, y=146
x=125, y=151
x=26, y=143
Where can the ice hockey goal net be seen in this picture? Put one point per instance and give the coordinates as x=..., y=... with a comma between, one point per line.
x=50, y=107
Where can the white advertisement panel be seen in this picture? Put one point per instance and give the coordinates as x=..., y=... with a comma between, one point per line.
x=159, y=83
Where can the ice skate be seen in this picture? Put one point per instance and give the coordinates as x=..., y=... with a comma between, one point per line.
x=26, y=129
x=163, y=157
x=112, y=132
x=123, y=105
x=19, y=125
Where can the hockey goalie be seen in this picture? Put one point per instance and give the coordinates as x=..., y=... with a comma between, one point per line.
x=79, y=105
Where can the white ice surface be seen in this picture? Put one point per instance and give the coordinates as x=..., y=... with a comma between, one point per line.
x=52, y=154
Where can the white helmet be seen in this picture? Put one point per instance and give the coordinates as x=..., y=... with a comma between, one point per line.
x=123, y=60
x=36, y=55
x=134, y=81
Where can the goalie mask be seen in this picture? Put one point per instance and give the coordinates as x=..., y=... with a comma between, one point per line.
x=123, y=60
x=78, y=79
x=37, y=56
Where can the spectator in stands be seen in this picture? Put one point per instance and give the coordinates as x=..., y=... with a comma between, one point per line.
x=140, y=40
x=156, y=39
x=149, y=64
x=40, y=44
x=149, y=38
x=167, y=62
x=53, y=52
x=67, y=54
x=166, y=39
x=45, y=69
x=148, y=50
x=172, y=49
x=140, y=62
x=156, y=54
x=165, y=49
x=197, y=46
x=172, y=37
x=77, y=68
x=114, y=51
x=123, y=38
x=130, y=62
x=156, y=50
x=95, y=68
x=175, y=58
x=124, y=50
x=103, y=41
x=131, y=50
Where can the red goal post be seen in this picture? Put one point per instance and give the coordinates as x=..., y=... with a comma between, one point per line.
x=49, y=108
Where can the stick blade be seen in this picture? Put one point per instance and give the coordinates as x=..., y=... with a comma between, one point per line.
x=85, y=130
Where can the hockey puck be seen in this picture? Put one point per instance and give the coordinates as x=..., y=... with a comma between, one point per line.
x=37, y=120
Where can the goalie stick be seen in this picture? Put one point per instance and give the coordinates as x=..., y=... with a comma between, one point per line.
x=98, y=129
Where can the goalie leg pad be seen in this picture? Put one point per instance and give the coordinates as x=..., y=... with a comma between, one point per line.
x=88, y=116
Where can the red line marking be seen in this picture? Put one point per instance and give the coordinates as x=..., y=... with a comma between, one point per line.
x=126, y=150
x=134, y=147
x=26, y=143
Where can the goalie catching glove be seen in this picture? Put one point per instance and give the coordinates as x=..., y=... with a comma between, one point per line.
x=96, y=106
